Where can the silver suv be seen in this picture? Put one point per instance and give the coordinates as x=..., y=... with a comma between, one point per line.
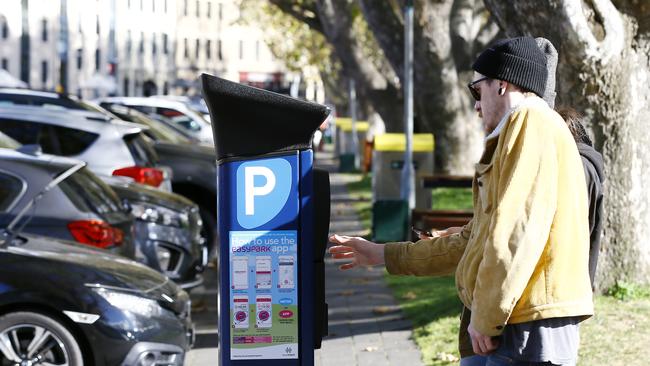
x=108, y=148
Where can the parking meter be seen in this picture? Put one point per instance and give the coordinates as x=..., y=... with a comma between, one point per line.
x=273, y=218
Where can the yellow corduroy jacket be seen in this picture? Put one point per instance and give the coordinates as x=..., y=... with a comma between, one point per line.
x=524, y=255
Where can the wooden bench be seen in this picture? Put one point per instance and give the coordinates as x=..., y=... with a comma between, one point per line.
x=442, y=219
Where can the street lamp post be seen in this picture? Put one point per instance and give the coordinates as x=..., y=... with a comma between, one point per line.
x=62, y=87
x=408, y=172
x=353, y=117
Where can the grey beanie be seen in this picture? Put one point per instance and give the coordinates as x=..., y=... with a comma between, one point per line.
x=551, y=65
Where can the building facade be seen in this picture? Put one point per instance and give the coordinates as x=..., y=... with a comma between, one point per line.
x=95, y=48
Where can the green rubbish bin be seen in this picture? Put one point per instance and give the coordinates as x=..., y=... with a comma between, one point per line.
x=387, y=164
x=344, y=146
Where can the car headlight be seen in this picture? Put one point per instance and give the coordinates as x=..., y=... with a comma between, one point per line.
x=159, y=215
x=132, y=303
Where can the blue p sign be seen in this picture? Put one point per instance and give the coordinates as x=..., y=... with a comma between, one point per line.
x=263, y=188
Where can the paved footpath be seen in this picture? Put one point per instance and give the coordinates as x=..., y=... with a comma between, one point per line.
x=366, y=327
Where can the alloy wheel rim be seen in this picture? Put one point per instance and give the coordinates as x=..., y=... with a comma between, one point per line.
x=31, y=345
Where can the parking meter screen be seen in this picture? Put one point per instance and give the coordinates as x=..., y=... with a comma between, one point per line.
x=263, y=243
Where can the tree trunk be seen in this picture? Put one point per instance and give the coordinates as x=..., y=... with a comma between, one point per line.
x=336, y=18
x=444, y=40
x=604, y=72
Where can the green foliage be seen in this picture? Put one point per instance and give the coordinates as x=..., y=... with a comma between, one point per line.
x=452, y=198
x=626, y=291
x=289, y=39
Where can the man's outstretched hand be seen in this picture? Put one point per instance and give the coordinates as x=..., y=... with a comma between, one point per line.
x=359, y=250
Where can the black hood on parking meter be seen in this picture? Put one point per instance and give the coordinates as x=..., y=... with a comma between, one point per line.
x=248, y=121
x=273, y=210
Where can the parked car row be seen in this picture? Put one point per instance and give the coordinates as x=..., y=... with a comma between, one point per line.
x=191, y=162
x=107, y=217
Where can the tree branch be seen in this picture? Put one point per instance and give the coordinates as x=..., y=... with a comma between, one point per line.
x=301, y=14
x=388, y=30
x=613, y=40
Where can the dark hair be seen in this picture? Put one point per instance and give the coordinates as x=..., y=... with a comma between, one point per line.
x=573, y=120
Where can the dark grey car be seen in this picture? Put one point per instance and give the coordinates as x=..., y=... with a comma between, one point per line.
x=81, y=208
x=167, y=231
x=193, y=165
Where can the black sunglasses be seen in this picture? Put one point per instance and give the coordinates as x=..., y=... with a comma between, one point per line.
x=475, y=93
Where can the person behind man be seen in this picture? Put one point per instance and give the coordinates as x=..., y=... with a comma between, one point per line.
x=521, y=263
x=592, y=162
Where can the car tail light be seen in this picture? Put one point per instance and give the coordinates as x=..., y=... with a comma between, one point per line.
x=171, y=113
x=96, y=233
x=144, y=175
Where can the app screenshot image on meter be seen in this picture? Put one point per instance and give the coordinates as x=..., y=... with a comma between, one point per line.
x=240, y=273
x=263, y=272
x=286, y=279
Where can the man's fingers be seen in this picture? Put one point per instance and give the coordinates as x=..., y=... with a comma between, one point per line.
x=339, y=239
x=475, y=347
x=340, y=249
x=492, y=344
x=347, y=266
x=343, y=255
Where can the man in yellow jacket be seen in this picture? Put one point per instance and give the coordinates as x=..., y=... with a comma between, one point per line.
x=521, y=264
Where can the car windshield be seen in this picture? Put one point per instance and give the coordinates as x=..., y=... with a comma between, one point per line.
x=157, y=129
x=89, y=194
x=141, y=150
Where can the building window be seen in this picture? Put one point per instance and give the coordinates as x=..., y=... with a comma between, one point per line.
x=125, y=86
x=241, y=50
x=220, y=11
x=186, y=51
x=165, y=88
x=208, y=49
x=5, y=30
x=219, y=54
x=5, y=64
x=185, y=7
x=128, y=4
x=80, y=55
x=44, y=72
x=141, y=48
x=98, y=59
x=164, y=43
x=141, y=5
x=197, y=49
x=44, y=31
x=257, y=50
x=198, y=9
x=153, y=6
x=209, y=10
x=154, y=49
x=165, y=6
x=97, y=25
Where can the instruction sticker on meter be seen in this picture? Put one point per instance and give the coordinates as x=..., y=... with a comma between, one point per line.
x=263, y=295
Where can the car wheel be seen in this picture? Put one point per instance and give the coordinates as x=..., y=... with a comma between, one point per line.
x=28, y=338
x=209, y=230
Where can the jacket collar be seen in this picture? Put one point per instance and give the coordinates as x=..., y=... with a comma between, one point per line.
x=529, y=101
